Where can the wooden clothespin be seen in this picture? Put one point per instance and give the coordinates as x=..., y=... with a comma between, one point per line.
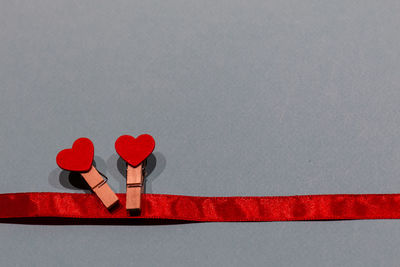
x=134, y=151
x=134, y=187
x=79, y=158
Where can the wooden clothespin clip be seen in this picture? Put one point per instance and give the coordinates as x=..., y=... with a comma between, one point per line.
x=134, y=151
x=79, y=158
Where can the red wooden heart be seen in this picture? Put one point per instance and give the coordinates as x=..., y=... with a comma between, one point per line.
x=79, y=158
x=134, y=150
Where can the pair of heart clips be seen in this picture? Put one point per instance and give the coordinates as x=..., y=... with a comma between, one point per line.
x=134, y=151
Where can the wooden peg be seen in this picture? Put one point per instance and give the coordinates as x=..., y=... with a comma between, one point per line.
x=134, y=151
x=134, y=187
x=100, y=187
x=79, y=158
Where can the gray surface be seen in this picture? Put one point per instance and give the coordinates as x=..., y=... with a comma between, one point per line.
x=242, y=97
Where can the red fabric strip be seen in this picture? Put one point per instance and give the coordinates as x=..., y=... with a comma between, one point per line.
x=203, y=209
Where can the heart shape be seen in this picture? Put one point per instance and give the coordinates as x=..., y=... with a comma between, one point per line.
x=79, y=158
x=134, y=150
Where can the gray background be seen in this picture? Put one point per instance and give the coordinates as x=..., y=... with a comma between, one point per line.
x=242, y=97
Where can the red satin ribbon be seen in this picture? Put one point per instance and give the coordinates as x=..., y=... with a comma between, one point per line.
x=76, y=208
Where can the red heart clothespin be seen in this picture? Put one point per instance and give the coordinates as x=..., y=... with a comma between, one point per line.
x=134, y=151
x=79, y=158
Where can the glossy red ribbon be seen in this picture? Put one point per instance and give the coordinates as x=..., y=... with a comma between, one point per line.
x=86, y=208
